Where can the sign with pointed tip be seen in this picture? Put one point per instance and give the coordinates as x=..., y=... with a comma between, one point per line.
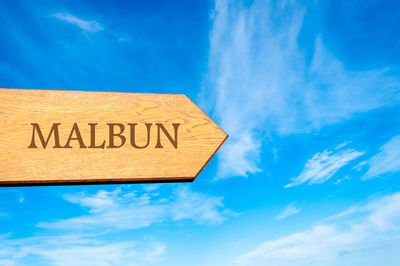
x=70, y=137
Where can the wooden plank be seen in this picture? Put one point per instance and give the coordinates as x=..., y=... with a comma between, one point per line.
x=83, y=144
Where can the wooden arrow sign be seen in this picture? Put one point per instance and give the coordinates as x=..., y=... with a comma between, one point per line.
x=70, y=137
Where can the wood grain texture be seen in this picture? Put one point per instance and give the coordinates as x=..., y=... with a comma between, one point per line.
x=198, y=137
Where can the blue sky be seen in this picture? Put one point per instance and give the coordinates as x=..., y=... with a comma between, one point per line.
x=308, y=91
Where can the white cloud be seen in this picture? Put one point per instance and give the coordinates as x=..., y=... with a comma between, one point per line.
x=359, y=166
x=386, y=161
x=324, y=165
x=340, y=180
x=85, y=25
x=288, y=211
x=124, y=209
x=19, y=196
x=151, y=187
x=347, y=232
x=260, y=82
x=77, y=250
x=119, y=210
x=85, y=240
x=156, y=252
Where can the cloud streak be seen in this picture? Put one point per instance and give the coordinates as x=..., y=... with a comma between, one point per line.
x=85, y=25
x=77, y=250
x=386, y=161
x=323, y=243
x=120, y=210
x=261, y=83
x=323, y=166
x=84, y=240
x=124, y=209
x=288, y=211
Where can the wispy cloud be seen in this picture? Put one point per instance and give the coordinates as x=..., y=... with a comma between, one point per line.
x=386, y=161
x=19, y=196
x=288, y=211
x=323, y=166
x=359, y=166
x=340, y=180
x=156, y=252
x=85, y=25
x=260, y=81
x=348, y=232
x=78, y=250
x=124, y=209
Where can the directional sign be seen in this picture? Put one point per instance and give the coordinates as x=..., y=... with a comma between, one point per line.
x=70, y=137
